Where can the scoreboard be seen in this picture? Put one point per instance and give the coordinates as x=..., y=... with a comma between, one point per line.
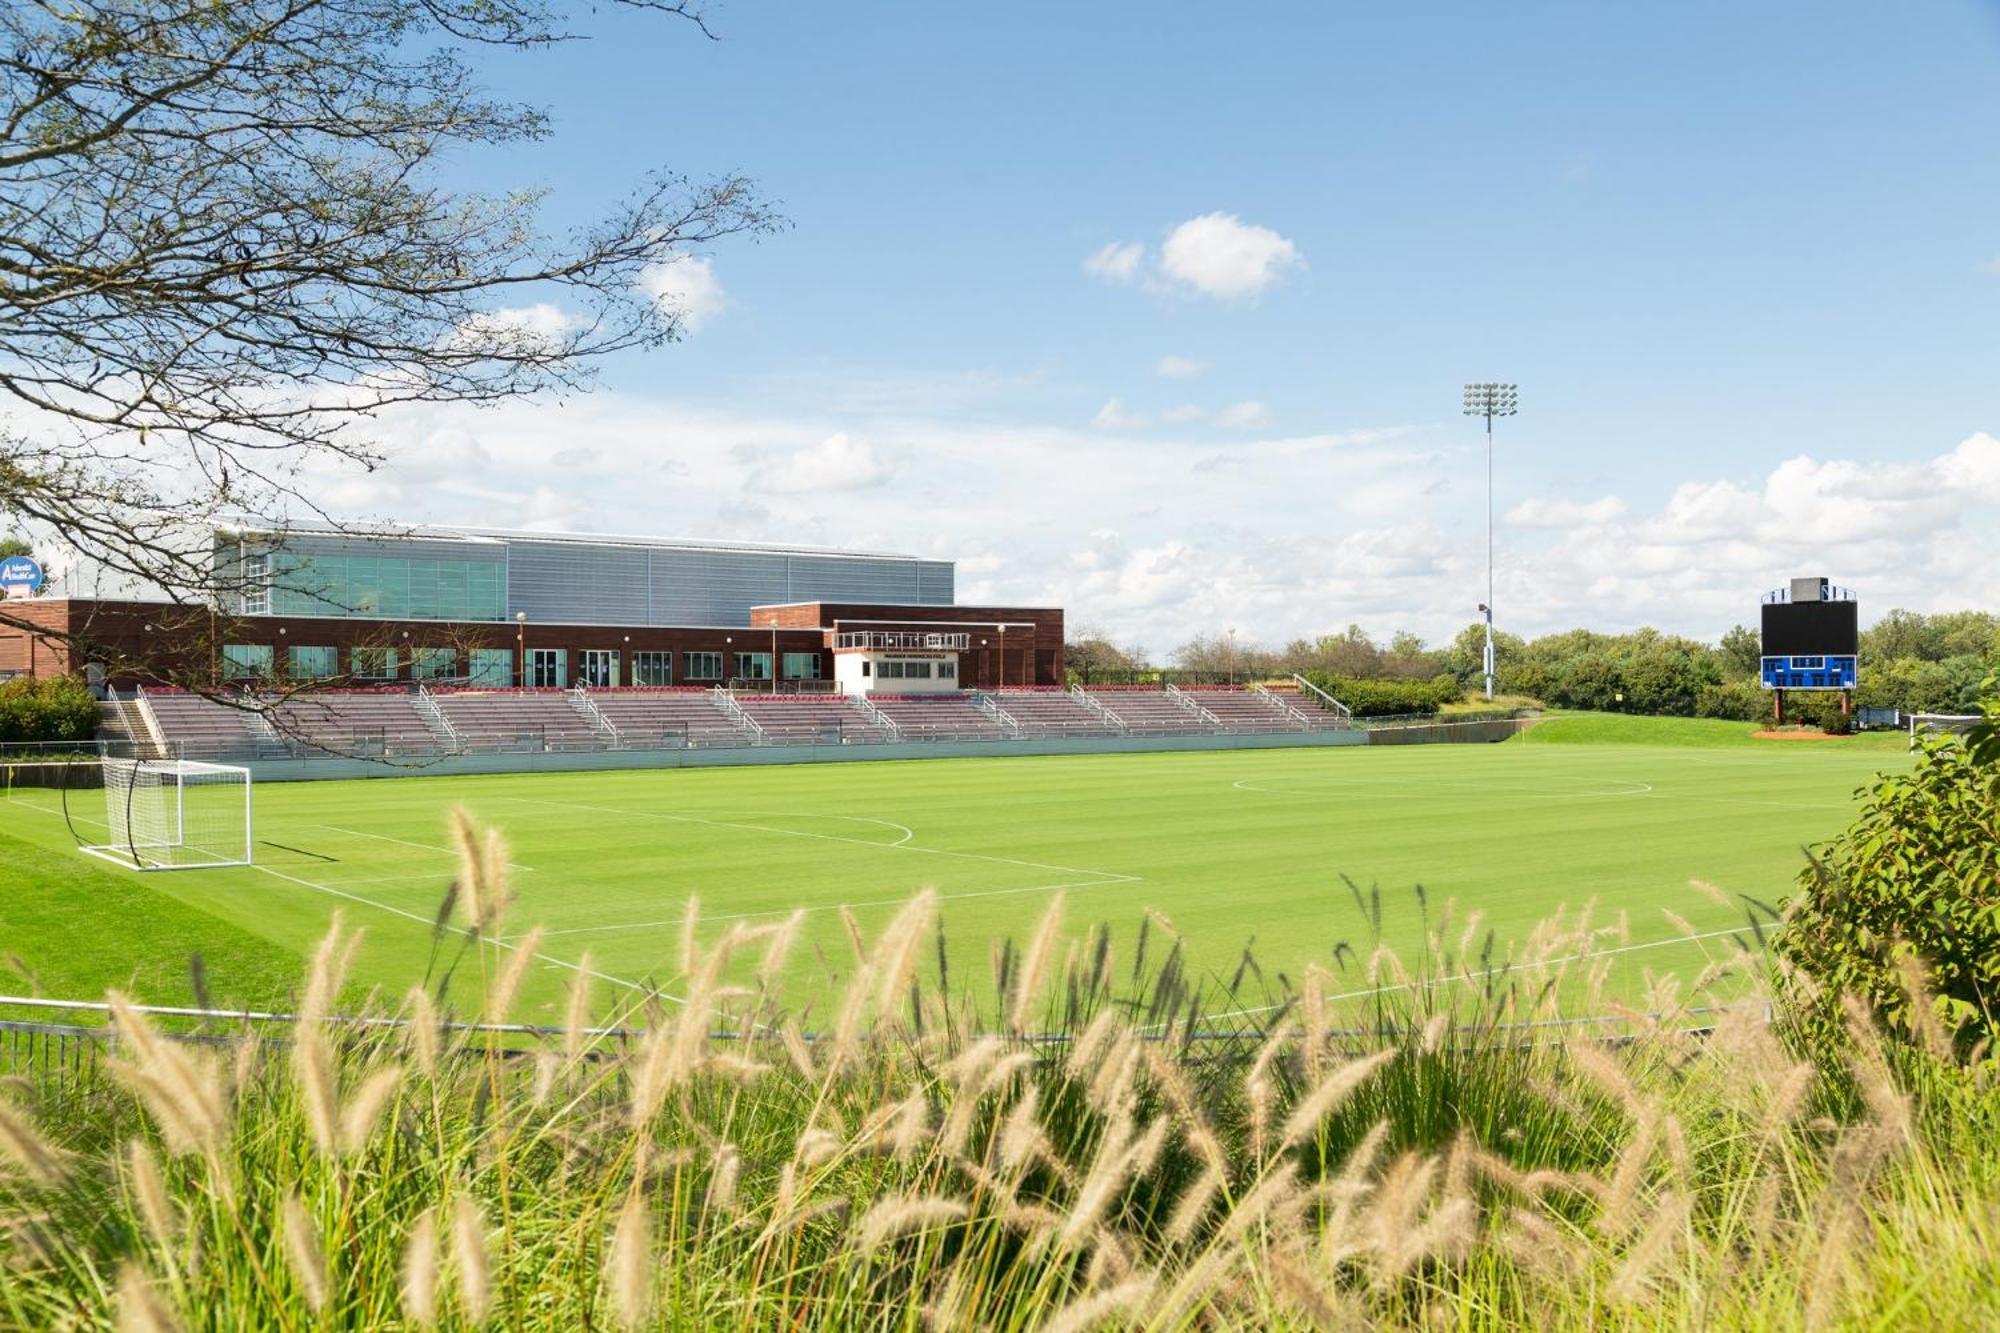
x=1811, y=634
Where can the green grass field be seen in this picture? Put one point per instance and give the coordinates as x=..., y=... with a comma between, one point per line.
x=1236, y=849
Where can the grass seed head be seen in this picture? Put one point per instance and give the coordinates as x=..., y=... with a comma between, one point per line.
x=507, y=985
x=149, y=1193
x=364, y=1108
x=19, y=1142
x=628, y=1266
x=303, y=1251
x=905, y=1215
x=468, y=1252
x=1334, y=1089
x=140, y=1309
x=420, y=1270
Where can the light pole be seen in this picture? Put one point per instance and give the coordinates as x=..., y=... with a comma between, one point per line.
x=521, y=642
x=1489, y=401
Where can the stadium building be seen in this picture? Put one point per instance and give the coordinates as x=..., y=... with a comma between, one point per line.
x=495, y=608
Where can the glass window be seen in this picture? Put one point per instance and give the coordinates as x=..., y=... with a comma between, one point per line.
x=703, y=666
x=257, y=584
x=947, y=669
x=753, y=666
x=597, y=667
x=246, y=661
x=313, y=663
x=373, y=663
x=435, y=664
x=652, y=668
x=491, y=666
x=801, y=666
x=366, y=585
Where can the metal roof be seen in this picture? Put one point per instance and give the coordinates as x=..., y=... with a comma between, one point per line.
x=501, y=536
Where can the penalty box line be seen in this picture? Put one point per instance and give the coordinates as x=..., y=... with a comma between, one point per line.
x=431, y=921
x=1099, y=877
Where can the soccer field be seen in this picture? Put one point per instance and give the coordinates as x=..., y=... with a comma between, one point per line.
x=1235, y=849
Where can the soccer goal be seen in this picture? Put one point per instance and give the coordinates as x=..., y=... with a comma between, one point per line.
x=175, y=814
x=1931, y=724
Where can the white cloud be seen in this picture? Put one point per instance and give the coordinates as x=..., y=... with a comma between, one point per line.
x=1116, y=261
x=1248, y=415
x=1220, y=255
x=1156, y=535
x=1113, y=416
x=1541, y=513
x=837, y=463
x=1178, y=367
x=686, y=288
x=1184, y=413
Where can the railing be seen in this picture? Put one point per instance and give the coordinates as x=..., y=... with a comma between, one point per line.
x=144, y=712
x=1346, y=713
x=1111, y=719
x=990, y=705
x=579, y=699
x=427, y=708
x=880, y=718
x=727, y=703
x=1175, y=693
x=912, y=640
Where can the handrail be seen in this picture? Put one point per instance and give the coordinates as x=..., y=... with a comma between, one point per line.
x=1283, y=705
x=1118, y=724
x=1336, y=705
x=580, y=700
x=989, y=704
x=155, y=737
x=880, y=718
x=427, y=708
x=726, y=701
x=1187, y=701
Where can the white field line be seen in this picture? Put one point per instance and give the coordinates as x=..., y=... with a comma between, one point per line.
x=1447, y=981
x=1108, y=876
x=428, y=921
x=405, y=842
x=707, y=917
x=1100, y=877
x=1484, y=789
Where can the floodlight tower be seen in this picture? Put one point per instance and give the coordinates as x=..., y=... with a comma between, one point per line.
x=1489, y=401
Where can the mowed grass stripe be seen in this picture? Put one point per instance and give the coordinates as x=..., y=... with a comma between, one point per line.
x=1232, y=847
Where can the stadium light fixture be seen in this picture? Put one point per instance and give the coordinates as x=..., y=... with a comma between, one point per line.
x=1490, y=400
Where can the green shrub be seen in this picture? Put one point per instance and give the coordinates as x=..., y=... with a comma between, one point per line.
x=57, y=709
x=1912, y=892
x=1388, y=698
x=1735, y=700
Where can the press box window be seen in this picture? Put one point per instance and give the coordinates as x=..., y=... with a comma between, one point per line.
x=653, y=668
x=801, y=666
x=703, y=666
x=313, y=663
x=753, y=666
x=246, y=661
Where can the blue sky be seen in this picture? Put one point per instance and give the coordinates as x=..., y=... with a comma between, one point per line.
x=1743, y=260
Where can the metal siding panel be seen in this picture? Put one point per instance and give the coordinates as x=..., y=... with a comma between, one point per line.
x=577, y=583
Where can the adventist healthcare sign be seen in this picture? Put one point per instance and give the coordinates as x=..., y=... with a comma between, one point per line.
x=20, y=576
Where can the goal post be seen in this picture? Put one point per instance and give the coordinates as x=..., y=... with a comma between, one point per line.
x=175, y=814
x=1950, y=724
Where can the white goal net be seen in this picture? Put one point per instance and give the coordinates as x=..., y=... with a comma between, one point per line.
x=175, y=814
x=1931, y=724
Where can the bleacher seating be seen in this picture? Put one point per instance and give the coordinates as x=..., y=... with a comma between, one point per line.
x=518, y=720
x=1318, y=717
x=360, y=723
x=811, y=719
x=1052, y=712
x=939, y=717
x=1149, y=712
x=198, y=727
x=667, y=717
x=1244, y=710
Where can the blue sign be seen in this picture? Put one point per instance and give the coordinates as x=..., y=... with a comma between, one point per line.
x=1809, y=673
x=20, y=576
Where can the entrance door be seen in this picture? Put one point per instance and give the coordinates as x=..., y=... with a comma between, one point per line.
x=597, y=668
x=545, y=668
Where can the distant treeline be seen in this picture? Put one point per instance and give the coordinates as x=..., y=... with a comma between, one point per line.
x=1909, y=660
